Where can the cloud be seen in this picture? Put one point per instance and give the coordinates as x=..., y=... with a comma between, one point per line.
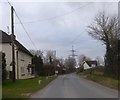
x=58, y=26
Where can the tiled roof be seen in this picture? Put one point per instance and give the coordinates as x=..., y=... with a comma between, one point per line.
x=7, y=39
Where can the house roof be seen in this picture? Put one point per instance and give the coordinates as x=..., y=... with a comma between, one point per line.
x=91, y=62
x=7, y=39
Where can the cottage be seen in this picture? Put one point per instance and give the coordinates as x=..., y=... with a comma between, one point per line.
x=89, y=64
x=23, y=58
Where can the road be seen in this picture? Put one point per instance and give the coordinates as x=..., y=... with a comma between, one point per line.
x=73, y=86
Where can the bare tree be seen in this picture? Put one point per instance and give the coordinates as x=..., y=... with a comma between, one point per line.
x=105, y=29
x=50, y=56
x=70, y=64
x=37, y=52
x=100, y=61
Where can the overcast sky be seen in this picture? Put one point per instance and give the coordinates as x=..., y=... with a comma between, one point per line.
x=57, y=25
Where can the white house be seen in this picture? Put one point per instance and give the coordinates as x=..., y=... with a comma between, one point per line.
x=23, y=58
x=89, y=64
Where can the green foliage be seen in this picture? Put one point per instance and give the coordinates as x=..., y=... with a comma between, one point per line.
x=50, y=60
x=39, y=69
x=81, y=68
x=3, y=62
x=50, y=69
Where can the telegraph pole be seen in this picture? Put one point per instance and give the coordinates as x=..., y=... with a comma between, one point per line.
x=13, y=42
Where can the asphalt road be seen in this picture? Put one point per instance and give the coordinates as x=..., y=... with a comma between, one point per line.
x=72, y=86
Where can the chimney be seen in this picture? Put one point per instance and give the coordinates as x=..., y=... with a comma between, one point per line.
x=13, y=36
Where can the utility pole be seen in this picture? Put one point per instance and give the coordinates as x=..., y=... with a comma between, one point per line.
x=13, y=42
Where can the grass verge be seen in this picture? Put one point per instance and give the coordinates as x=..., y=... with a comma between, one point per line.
x=101, y=79
x=24, y=88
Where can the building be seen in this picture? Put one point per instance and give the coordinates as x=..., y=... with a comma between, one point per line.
x=23, y=58
x=89, y=64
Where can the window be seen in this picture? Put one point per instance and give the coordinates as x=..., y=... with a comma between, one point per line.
x=22, y=70
x=22, y=56
x=93, y=65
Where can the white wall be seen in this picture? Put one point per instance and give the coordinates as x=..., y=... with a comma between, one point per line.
x=23, y=60
x=7, y=49
x=86, y=66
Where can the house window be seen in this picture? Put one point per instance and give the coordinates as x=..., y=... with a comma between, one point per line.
x=93, y=65
x=22, y=70
x=32, y=70
x=22, y=57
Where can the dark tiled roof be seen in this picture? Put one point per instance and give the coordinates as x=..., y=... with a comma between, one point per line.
x=91, y=62
x=7, y=39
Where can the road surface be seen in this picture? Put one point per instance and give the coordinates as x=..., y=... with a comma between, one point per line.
x=72, y=86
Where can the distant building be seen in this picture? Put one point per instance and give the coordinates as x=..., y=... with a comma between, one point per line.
x=23, y=58
x=89, y=64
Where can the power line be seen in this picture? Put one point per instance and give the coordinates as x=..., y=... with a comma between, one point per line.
x=25, y=29
x=72, y=42
x=73, y=52
x=54, y=17
x=46, y=20
x=9, y=3
x=76, y=38
x=26, y=42
x=22, y=25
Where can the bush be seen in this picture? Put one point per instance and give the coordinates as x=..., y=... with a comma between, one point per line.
x=39, y=69
x=81, y=69
x=50, y=69
x=3, y=62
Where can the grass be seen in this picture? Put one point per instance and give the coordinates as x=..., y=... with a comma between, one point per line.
x=24, y=88
x=101, y=79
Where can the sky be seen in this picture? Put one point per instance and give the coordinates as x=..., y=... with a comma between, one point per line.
x=57, y=26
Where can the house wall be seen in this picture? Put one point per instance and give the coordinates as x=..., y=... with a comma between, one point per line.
x=86, y=66
x=7, y=49
x=21, y=60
